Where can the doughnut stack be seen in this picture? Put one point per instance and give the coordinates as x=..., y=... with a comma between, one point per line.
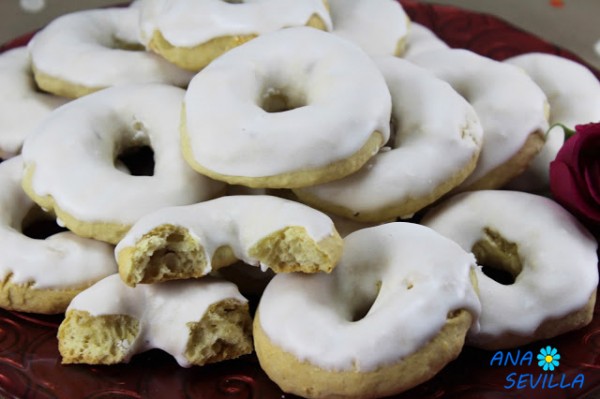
x=340, y=165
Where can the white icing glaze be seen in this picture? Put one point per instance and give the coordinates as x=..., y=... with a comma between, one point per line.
x=574, y=96
x=22, y=107
x=376, y=26
x=163, y=310
x=421, y=39
x=61, y=261
x=79, y=48
x=422, y=275
x=80, y=173
x=437, y=135
x=231, y=134
x=239, y=222
x=556, y=252
x=190, y=23
x=509, y=104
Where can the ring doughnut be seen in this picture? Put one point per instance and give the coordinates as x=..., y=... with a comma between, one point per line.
x=196, y=321
x=194, y=32
x=545, y=250
x=279, y=118
x=191, y=241
x=20, y=97
x=434, y=148
x=78, y=179
x=574, y=96
x=379, y=27
x=86, y=51
x=511, y=107
x=390, y=316
x=42, y=275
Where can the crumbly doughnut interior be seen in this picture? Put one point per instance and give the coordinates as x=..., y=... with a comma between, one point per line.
x=225, y=332
x=83, y=338
x=292, y=250
x=166, y=252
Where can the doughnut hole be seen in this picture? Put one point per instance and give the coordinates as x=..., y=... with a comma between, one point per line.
x=136, y=161
x=135, y=155
x=498, y=257
x=39, y=225
x=362, y=308
x=274, y=99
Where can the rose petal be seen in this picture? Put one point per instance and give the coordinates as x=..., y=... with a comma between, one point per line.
x=571, y=153
x=566, y=192
x=588, y=128
x=591, y=172
x=568, y=151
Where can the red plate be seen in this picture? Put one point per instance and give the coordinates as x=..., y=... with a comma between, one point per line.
x=30, y=363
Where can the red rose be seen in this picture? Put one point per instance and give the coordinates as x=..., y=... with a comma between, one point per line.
x=575, y=175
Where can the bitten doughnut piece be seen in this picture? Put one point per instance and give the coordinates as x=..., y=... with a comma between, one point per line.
x=548, y=256
x=190, y=241
x=73, y=167
x=196, y=321
x=435, y=145
x=392, y=314
x=42, y=275
x=86, y=51
x=277, y=117
x=191, y=33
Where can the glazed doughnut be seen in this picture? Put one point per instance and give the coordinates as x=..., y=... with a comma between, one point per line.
x=551, y=257
x=193, y=33
x=280, y=118
x=86, y=51
x=22, y=106
x=191, y=241
x=574, y=96
x=379, y=27
x=196, y=321
x=435, y=146
x=42, y=275
x=77, y=178
x=420, y=40
x=511, y=107
x=390, y=316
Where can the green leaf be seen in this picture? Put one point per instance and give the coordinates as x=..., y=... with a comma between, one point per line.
x=568, y=131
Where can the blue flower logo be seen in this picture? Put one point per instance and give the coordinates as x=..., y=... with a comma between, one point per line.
x=548, y=358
